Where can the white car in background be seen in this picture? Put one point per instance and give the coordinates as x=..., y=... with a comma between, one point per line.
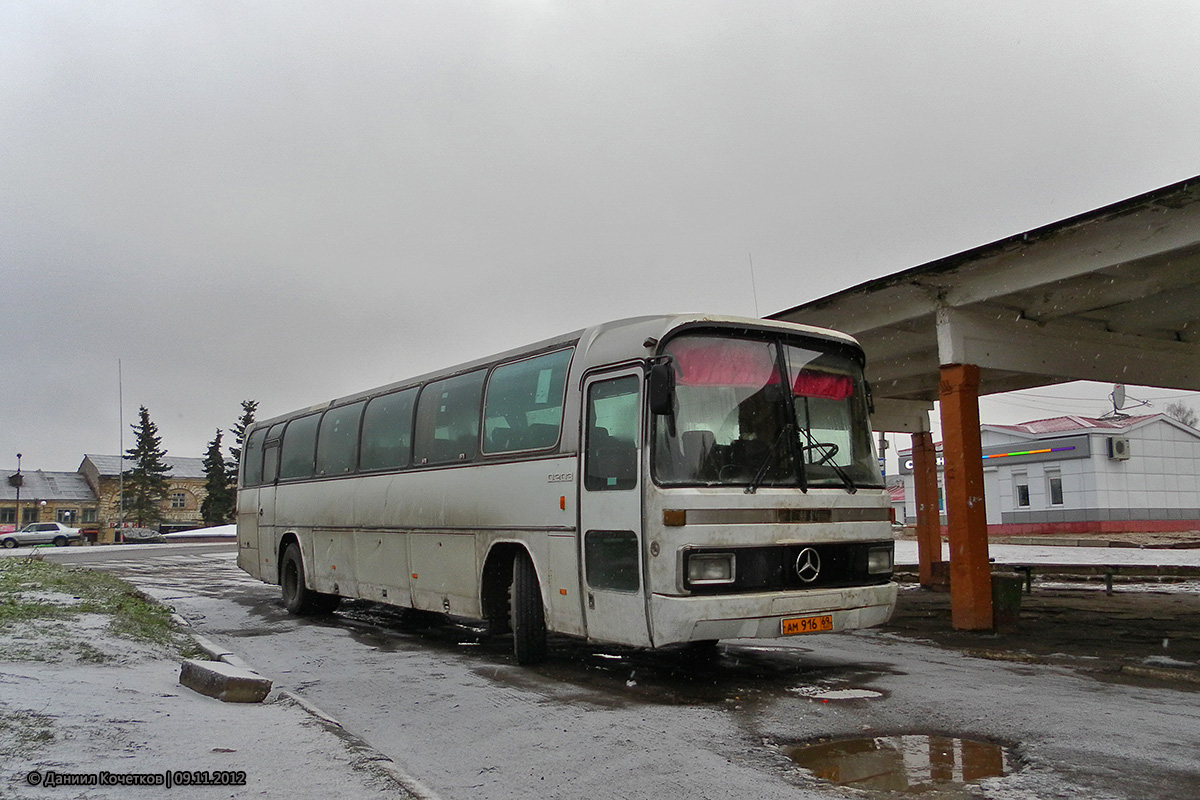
x=41, y=533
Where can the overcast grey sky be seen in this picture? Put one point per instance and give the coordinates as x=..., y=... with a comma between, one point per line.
x=294, y=201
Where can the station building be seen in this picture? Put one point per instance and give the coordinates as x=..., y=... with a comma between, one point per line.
x=1078, y=475
x=47, y=497
x=90, y=497
x=185, y=490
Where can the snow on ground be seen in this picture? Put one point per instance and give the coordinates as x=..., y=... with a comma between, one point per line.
x=223, y=531
x=906, y=554
x=135, y=718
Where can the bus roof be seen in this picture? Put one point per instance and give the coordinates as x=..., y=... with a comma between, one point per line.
x=607, y=342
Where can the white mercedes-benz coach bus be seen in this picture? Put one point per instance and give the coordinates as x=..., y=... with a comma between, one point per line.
x=647, y=482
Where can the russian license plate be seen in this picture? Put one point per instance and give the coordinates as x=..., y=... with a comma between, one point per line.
x=796, y=625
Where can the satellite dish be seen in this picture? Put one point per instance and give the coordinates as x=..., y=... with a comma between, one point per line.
x=1118, y=396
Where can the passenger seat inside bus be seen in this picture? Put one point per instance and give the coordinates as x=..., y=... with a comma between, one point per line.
x=696, y=446
x=611, y=462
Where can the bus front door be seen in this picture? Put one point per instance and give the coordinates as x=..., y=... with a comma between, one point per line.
x=610, y=510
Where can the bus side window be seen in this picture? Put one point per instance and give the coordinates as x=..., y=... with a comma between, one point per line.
x=387, y=431
x=271, y=453
x=447, y=429
x=252, y=471
x=611, y=459
x=524, y=404
x=299, y=447
x=337, y=440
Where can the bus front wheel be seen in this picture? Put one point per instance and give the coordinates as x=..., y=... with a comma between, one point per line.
x=298, y=599
x=527, y=613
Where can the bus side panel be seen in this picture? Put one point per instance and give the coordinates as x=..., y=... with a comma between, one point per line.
x=512, y=496
x=332, y=566
x=376, y=532
x=247, y=532
x=382, y=568
x=444, y=572
x=564, y=610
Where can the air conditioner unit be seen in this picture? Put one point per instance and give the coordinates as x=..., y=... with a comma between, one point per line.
x=1118, y=448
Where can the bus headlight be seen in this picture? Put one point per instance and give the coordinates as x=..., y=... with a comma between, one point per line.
x=879, y=560
x=709, y=568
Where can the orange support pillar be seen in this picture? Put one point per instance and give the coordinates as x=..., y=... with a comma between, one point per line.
x=970, y=572
x=929, y=518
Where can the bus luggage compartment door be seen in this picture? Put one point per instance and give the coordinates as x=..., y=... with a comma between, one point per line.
x=610, y=510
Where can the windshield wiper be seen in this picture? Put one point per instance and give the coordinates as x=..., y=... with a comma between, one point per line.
x=829, y=450
x=766, y=464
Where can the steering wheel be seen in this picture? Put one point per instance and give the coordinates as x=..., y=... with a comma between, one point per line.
x=828, y=451
x=733, y=472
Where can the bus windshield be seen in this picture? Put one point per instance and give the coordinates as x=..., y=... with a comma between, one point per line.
x=764, y=412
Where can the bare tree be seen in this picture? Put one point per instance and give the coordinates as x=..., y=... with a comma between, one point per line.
x=1185, y=414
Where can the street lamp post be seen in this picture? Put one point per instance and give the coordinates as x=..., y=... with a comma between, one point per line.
x=17, y=483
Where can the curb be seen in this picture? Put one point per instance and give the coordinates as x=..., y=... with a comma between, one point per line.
x=372, y=758
x=225, y=682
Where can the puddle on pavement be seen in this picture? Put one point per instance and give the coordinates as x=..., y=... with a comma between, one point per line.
x=824, y=694
x=924, y=766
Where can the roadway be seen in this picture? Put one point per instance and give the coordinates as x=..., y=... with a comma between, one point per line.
x=603, y=722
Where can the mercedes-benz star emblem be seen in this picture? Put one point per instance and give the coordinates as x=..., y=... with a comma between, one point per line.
x=808, y=565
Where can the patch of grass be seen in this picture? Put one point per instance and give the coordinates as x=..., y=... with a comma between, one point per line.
x=19, y=609
x=36, y=591
x=23, y=732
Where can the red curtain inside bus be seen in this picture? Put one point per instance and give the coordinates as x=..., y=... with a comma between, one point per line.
x=823, y=385
x=727, y=362
x=748, y=364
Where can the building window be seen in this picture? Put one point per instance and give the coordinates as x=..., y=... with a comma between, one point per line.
x=67, y=516
x=89, y=516
x=1021, y=489
x=1054, y=484
x=29, y=516
x=8, y=516
x=178, y=499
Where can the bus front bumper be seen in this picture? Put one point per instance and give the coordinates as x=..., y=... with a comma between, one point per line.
x=761, y=616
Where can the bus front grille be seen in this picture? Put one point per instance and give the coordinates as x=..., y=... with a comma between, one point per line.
x=792, y=567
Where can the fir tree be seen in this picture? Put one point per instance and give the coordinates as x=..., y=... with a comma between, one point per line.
x=217, y=508
x=239, y=432
x=146, y=481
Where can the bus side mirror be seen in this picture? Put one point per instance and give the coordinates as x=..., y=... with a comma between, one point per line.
x=662, y=388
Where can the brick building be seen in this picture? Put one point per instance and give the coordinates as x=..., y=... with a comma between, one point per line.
x=185, y=493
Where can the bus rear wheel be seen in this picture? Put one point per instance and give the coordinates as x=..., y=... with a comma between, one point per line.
x=298, y=599
x=527, y=613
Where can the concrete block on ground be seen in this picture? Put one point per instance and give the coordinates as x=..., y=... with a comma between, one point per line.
x=225, y=682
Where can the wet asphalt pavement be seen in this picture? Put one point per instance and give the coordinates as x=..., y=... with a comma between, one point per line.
x=454, y=710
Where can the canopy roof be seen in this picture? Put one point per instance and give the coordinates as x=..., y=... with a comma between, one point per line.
x=1111, y=295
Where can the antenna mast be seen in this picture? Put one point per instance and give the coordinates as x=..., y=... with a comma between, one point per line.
x=121, y=444
x=753, y=285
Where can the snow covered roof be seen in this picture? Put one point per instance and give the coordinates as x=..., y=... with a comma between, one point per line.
x=41, y=485
x=181, y=467
x=1072, y=424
